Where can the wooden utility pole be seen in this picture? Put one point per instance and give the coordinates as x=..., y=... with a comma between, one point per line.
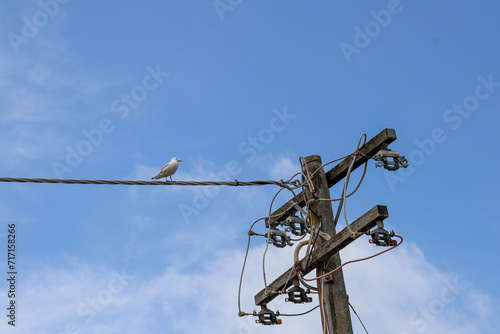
x=325, y=256
x=334, y=295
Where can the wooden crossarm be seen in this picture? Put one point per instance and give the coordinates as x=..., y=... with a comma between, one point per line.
x=332, y=246
x=338, y=172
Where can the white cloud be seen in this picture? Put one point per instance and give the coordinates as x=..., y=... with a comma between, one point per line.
x=399, y=292
x=283, y=168
x=34, y=102
x=49, y=298
x=403, y=292
x=51, y=78
x=142, y=172
x=47, y=77
x=25, y=142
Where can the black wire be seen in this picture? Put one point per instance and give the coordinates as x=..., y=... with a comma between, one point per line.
x=358, y=317
x=312, y=245
x=235, y=183
x=299, y=314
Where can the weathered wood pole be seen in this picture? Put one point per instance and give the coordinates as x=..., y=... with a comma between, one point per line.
x=335, y=299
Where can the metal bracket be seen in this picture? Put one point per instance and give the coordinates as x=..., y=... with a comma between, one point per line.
x=382, y=237
x=298, y=226
x=382, y=158
x=279, y=238
x=298, y=295
x=267, y=317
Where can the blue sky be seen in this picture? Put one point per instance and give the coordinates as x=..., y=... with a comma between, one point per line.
x=240, y=90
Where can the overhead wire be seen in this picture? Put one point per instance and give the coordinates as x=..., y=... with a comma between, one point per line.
x=314, y=229
x=346, y=182
x=234, y=183
x=269, y=230
x=299, y=239
x=352, y=193
x=343, y=197
x=240, y=313
x=267, y=241
x=348, y=175
x=362, y=324
x=311, y=246
x=311, y=186
x=301, y=279
x=251, y=233
x=307, y=182
x=357, y=260
x=296, y=259
x=299, y=314
x=332, y=161
x=284, y=184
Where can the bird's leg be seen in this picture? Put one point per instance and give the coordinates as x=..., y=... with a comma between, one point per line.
x=166, y=179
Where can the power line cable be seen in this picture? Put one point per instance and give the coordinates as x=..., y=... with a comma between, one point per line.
x=357, y=260
x=358, y=317
x=250, y=233
x=234, y=183
x=298, y=314
x=269, y=231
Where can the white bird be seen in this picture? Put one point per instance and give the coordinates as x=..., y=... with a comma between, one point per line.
x=168, y=170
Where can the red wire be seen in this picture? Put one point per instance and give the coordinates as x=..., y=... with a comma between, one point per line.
x=358, y=260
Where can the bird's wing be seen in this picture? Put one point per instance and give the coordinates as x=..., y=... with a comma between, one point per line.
x=168, y=169
x=162, y=172
x=166, y=165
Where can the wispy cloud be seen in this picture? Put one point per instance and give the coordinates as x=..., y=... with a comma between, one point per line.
x=402, y=291
x=282, y=167
x=392, y=293
x=25, y=143
x=35, y=105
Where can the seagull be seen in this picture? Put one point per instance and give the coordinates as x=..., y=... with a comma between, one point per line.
x=168, y=170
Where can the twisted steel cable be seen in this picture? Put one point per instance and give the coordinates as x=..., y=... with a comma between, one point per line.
x=234, y=183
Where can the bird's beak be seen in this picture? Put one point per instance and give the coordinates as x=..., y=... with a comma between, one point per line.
x=179, y=160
